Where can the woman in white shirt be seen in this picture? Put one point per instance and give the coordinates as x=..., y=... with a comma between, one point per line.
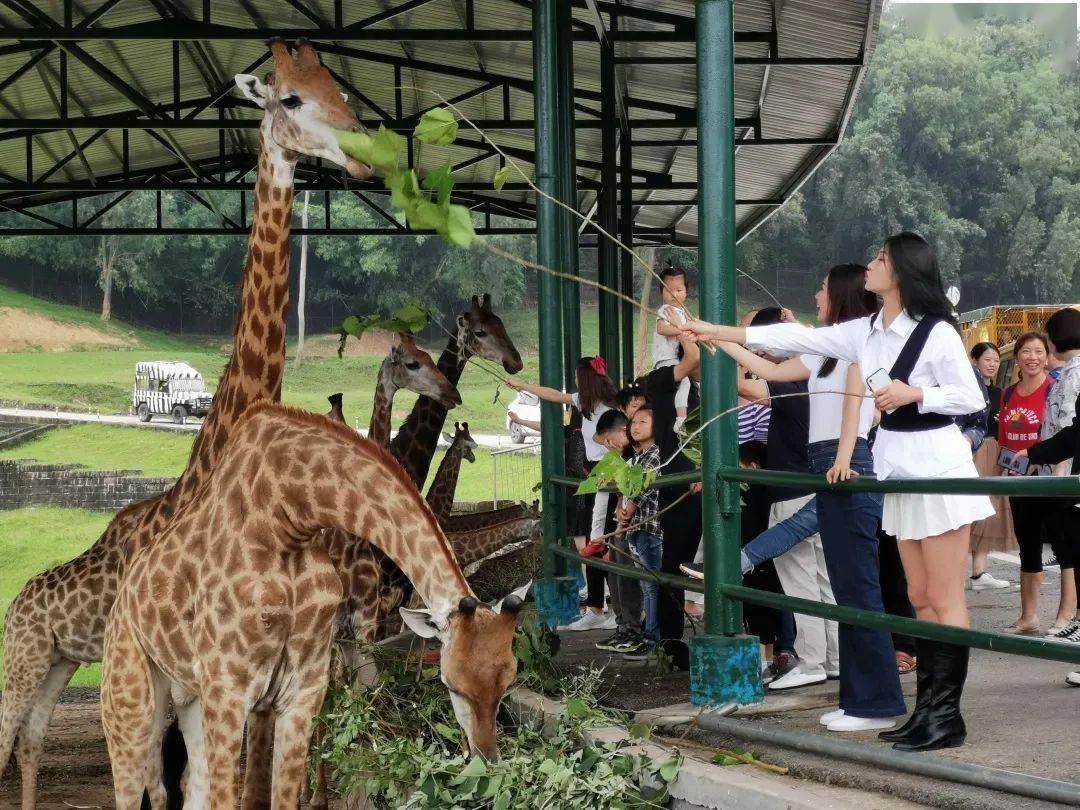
x=845, y=556
x=914, y=344
x=595, y=395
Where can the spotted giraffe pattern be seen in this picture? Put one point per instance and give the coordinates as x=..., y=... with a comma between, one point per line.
x=440, y=494
x=232, y=608
x=58, y=620
x=480, y=333
x=474, y=521
x=407, y=366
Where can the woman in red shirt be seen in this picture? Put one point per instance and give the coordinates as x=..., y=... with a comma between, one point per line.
x=1023, y=407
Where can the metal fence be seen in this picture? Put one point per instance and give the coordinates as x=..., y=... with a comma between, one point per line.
x=515, y=473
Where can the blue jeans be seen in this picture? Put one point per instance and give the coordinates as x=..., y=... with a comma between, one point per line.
x=869, y=682
x=649, y=549
x=782, y=537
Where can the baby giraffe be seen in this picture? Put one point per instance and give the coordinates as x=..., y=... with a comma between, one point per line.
x=232, y=608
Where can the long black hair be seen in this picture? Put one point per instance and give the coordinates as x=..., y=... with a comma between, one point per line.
x=979, y=349
x=922, y=291
x=848, y=299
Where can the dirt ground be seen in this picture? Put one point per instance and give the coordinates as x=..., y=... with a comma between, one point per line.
x=21, y=331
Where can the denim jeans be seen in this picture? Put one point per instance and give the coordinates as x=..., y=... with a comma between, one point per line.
x=869, y=682
x=649, y=549
x=780, y=538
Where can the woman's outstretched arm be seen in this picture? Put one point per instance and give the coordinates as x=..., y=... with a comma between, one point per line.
x=545, y=393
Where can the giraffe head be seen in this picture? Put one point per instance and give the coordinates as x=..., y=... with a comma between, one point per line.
x=303, y=106
x=461, y=434
x=412, y=368
x=477, y=662
x=481, y=333
x=336, y=412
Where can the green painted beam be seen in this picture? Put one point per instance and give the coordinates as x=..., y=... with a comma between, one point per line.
x=607, y=259
x=568, y=194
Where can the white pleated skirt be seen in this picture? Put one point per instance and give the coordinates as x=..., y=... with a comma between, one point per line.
x=915, y=517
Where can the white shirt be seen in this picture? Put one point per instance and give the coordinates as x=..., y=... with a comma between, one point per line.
x=827, y=400
x=665, y=350
x=594, y=451
x=943, y=372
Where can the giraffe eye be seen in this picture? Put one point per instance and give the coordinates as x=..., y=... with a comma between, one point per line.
x=412, y=365
x=291, y=102
x=480, y=333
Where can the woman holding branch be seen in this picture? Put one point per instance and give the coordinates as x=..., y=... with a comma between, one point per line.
x=846, y=554
x=918, y=371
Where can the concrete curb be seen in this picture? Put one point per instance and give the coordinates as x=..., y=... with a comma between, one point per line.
x=702, y=784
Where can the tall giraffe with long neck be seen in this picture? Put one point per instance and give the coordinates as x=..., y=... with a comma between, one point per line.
x=407, y=366
x=440, y=494
x=243, y=607
x=57, y=622
x=480, y=333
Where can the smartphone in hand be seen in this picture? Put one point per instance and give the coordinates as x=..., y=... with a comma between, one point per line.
x=879, y=381
x=1008, y=460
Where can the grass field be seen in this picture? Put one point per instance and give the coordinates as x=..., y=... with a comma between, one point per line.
x=36, y=539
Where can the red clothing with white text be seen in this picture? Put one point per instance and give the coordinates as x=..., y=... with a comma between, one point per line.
x=1021, y=416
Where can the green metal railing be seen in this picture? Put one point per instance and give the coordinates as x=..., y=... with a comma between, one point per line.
x=732, y=589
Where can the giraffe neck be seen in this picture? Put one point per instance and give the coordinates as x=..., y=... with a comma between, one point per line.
x=472, y=546
x=358, y=489
x=379, y=428
x=415, y=443
x=440, y=496
x=255, y=369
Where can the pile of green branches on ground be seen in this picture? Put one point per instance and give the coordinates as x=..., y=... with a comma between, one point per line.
x=398, y=742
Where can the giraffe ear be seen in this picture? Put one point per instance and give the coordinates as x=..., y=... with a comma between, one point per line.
x=420, y=622
x=447, y=437
x=511, y=603
x=252, y=87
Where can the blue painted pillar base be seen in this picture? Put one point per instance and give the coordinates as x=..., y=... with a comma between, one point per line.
x=557, y=601
x=725, y=669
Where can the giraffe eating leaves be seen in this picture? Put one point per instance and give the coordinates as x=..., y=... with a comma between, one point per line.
x=241, y=606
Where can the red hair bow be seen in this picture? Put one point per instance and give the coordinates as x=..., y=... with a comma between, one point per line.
x=599, y=365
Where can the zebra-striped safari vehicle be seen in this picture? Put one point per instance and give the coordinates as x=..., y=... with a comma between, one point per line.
x=169, y=387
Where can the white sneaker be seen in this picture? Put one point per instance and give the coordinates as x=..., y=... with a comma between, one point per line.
x=797, y=677
x=829, y=717
x=591, y=620
x=1073, y=679
x=850, y=722
x=986, y=582
x=1069, y=634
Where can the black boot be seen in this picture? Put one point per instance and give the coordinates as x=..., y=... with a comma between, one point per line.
x=925, y=651
x=944, y=727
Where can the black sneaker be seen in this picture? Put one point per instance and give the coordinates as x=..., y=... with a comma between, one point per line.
x=630, y=643
x=642, y=653
x=611, y=643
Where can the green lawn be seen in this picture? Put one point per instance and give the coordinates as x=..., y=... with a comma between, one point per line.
x=36, y=539
x=107, y=447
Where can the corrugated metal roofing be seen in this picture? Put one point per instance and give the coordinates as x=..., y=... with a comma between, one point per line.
x=792, y=101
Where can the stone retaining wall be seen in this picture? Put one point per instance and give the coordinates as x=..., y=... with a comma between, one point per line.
x=27, y=483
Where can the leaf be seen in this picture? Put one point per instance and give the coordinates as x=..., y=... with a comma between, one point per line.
x=441, y=181
x=459, y=228
x=355, y=144
x=386, y=148
x=437, y=127
x=476, y=768
x=670, y=769
x=448, y=733
x=414, y=315
x=576, y=707
x=500, y=177
x=640, y=731
x=502, y=801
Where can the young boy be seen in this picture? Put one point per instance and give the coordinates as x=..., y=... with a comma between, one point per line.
x=665, y=348
x=638, y=515
x=612, y=431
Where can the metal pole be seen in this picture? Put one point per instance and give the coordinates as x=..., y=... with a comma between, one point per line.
x=722, y=669
x=555, y=595
x=626, y=236
x=567, y=171
x=607, y=260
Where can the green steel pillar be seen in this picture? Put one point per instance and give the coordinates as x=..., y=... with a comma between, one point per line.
x=607, y=259
x=725, y=665
x=556, y=594
x=626, y=236
x=567, y=185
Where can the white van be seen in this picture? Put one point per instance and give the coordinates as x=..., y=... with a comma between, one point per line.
x=169, y=387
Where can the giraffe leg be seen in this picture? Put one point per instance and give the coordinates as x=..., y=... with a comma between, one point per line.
x=292, y=738
x=319, y=799
x=127, y=714
x=224, y=718
x=31, y=740
x=196, y=779
x=259, y=765
x=27, y=664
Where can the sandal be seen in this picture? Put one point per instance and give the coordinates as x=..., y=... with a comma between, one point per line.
x=1023, y=629
x=905, y=663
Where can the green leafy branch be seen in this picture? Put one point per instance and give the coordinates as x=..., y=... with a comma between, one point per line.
x=411, y=318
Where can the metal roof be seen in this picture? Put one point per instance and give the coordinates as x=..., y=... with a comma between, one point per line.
x=799, y=66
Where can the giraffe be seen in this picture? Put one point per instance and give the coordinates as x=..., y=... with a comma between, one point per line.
x=232, y=608
x=440, y=495
x=335, y=411
x=407, y=366
x=57, y=621
x=474, y=521
x=480, y=333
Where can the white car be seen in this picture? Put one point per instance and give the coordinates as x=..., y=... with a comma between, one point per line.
x=526, y=406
